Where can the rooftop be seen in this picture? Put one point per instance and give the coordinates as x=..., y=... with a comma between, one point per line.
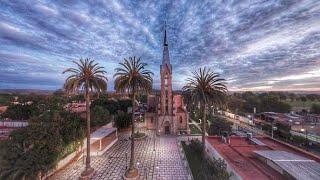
x=241, y=155
x=296, y=166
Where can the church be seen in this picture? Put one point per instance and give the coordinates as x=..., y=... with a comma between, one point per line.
x=166, y=112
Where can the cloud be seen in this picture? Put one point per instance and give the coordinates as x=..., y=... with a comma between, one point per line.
x=255, y=45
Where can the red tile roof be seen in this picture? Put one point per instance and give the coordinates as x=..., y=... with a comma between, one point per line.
x=241, y=156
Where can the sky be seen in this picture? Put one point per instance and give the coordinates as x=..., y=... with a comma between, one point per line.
x=255, y=45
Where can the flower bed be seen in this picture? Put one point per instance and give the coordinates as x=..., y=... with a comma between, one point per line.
x=202, y=168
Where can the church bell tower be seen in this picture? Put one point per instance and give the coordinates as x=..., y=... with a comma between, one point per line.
x=166, y=80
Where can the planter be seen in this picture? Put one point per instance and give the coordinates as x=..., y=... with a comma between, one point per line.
x=131, y=175
x=140, y=136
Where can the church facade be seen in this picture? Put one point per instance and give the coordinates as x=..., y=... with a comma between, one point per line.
x=166, y=112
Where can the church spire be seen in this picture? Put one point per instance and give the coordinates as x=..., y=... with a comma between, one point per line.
x=165, y=58
x=165, y=42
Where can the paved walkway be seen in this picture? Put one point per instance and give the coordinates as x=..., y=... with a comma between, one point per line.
x=164, y=163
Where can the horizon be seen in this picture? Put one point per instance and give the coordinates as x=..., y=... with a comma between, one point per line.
x=23, y=90
x=255, y=46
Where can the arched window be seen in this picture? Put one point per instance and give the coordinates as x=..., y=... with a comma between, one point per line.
x=180, y=119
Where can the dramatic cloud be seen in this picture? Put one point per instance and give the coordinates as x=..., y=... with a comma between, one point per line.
x=255, y=45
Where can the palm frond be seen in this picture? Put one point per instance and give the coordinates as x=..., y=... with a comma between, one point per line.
x=206, y=86
x=87, y=73
x=131, y=75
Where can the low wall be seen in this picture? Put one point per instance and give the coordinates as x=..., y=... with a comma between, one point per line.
x=214, y=154
x=99, y=147
x=64, y=162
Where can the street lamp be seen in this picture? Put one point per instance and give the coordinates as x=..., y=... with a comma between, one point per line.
x=254, y=113
x=306, y=133
x=212, y=110
x=272, y=129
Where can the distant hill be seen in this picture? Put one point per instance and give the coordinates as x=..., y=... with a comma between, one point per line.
x=26, y=91
x=295, y=92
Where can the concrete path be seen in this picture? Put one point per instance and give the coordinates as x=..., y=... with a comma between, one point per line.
x=163, y=163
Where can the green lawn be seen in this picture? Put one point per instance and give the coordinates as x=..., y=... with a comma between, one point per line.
x=194, y=129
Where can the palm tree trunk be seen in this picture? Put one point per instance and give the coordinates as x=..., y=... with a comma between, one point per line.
x=87, y=96
x=204, y=128
x=131, y=166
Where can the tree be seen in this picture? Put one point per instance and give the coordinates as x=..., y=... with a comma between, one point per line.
x=312, y=97
x=270, y=103
x=21, y=112
x=206, y=88
x=100, y=116
x=31, y=152
x=123, y=119
x=87, y=76
x=111, y=105
x=315, y=108
x=219, y=125
x=303, y=99
x=132, y=77
x=235, y=103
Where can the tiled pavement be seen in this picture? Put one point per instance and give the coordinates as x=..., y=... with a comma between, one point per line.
x=163, y=163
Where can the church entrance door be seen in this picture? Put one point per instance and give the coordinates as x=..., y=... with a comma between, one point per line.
x=167, y=129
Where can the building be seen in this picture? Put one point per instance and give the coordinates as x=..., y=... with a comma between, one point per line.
x=76, y=107
x=3, y=109
x=263, y=158
x=166, y=113
x=6, y=127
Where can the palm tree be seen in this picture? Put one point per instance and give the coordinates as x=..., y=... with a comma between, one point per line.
x=132, y=77
x=88, y=76
x=205, y=87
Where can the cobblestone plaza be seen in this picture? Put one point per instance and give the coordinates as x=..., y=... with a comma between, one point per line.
x=157, y=157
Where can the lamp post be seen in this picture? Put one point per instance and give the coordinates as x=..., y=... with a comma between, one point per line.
x=126, y=160
x=272, y=129
x=212, y=110
x=254, y=113
x=306, y=135
x=154, y=141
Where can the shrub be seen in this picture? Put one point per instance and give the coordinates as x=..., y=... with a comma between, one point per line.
x=201, y=167
x=196, y=145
